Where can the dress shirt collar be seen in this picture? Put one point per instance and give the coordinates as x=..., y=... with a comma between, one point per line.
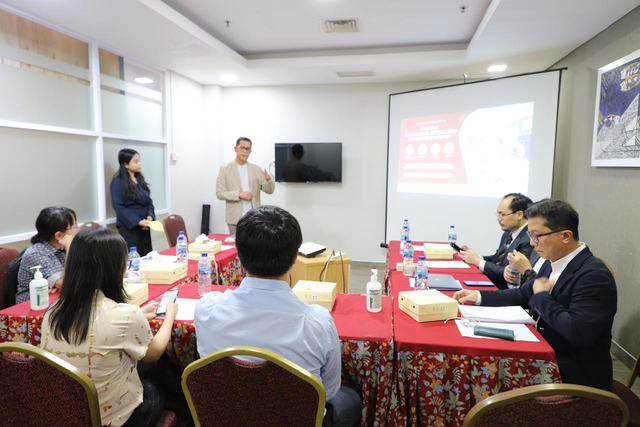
x=515, y=234
x=557, y=267
x=264, y=284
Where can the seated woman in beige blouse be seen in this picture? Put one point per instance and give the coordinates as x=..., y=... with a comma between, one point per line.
x=92, y=328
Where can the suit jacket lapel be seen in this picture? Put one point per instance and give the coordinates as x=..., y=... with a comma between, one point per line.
x=236, y=176
x=567, y=274
x=533, y=259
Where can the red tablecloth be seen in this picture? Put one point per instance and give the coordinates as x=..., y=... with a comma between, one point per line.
x=439, y=375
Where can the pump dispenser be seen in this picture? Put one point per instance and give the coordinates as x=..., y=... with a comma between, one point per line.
x=374, y=293
x=38, y=290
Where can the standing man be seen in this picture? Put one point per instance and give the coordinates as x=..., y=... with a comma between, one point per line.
x=513, y=222
x=239, y=184
x=264, y=312
x=574, y=296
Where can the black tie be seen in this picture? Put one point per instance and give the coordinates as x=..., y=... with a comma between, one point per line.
x=503, y=250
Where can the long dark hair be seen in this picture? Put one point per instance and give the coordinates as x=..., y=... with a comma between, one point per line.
x=97, y=260
x=50, y=221
x=131, y=189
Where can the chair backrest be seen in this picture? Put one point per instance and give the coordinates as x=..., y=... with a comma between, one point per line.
x=173, y=225
x=6, y=295
x=44, y=389
x=90, y=224
x=565, y=405
x=224, y=391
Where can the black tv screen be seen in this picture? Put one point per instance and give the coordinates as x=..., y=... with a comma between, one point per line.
x=309, y=162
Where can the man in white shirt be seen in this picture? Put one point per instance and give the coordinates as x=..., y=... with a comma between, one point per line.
x=240, y=182
x=264, y=312
x=574, y=296
x=513, y=221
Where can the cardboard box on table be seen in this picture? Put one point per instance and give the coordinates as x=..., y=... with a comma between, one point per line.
x=438, y=251
x=162, y=273
x=427, y=306
x=138, y=293
x=320, y=293
x=211, y=247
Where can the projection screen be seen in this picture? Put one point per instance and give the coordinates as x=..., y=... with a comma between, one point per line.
x=455, y=151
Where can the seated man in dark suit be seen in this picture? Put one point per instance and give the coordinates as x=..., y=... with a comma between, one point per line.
x=573, y=297
x=513, y=221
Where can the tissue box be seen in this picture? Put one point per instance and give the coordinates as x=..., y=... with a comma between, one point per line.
x=320, y=293
x=211, y=247
x=163, y=273
x=427, y=306
x=438, y=251
x=138, y=293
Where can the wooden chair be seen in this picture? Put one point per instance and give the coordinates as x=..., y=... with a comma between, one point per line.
x=39, y=388
x=550, y=405
x=173, y=225
x=224, y=391
x=7, y=254
x=623, y=391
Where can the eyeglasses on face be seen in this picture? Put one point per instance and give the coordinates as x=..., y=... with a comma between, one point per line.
x=245, y=149
x=536, y=237
x=502, y=215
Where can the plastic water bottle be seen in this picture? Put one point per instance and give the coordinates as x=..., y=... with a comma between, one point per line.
x=204, y=275
x=133, y=275
x=407, y=259
x=405, y=223
x=404, y=236
x=422, y=274
x=515, y=284
x=181, y=248
x=453, y=234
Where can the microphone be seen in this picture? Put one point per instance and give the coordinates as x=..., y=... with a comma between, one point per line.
x=384, y=245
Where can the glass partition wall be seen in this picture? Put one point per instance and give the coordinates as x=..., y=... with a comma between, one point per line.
x=67, y=107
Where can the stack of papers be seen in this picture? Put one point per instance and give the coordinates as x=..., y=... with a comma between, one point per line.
x=447, y=264
x=508, y=314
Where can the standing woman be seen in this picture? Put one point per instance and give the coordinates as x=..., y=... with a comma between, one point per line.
x=131, y=200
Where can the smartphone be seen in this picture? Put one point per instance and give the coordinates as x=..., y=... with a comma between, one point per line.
x=456, y=247
x=169, y=296
x=478, y=283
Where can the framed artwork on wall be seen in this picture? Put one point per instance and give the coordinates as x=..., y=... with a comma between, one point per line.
x=616, y=128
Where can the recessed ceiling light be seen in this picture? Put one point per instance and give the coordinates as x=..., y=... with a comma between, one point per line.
x=144, y=80
x=229, y=77
x=496, y=68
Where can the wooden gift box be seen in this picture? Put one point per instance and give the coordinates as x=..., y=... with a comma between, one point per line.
x=320, y=293
x=211, y=247
x=438, y=251
x=427, y=306
x=163, y=273
x=138, y=293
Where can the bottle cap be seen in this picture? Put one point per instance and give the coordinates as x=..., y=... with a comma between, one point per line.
x=421, y=258
x=182, y=232
x=374, y=276
x=408, y=241
x=204, y=255
x=38, y=274
x=404, y=226
x=133, y=249
x=451, y=226
x=406, y=219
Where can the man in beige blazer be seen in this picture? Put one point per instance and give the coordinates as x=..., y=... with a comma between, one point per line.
x=239, y=184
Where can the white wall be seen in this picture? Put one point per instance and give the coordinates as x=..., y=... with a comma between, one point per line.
x=347, y=216
x=196, y=127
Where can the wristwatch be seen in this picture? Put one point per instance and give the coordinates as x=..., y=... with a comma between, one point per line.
x=528, y=274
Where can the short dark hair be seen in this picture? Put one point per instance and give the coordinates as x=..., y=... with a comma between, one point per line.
x=243, y=138
x=267, y=240
x=558, y=215
x=51, y=220
x=97, y=260
x=520, y=202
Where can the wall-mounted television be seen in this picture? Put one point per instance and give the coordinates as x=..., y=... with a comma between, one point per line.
x=309, y=162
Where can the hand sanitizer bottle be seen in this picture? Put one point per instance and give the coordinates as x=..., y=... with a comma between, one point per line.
x=374, y=293
x=38, y=290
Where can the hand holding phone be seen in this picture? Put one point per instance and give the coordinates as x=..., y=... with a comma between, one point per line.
x=167, y=297
x=455, y=246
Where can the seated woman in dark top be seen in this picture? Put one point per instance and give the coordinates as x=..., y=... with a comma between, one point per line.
x=131, y=200
x=56, y=227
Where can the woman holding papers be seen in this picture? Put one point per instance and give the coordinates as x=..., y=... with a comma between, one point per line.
x=131, y=200
x=91, y=327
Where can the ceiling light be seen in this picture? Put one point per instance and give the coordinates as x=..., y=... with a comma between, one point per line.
x=144, y=80
x=229, y=77
x=496, y=68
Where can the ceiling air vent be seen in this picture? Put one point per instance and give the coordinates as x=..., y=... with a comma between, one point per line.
x=355, y=73
x=341, y=26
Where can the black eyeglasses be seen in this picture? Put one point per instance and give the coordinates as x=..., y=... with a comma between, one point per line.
x=536, y=237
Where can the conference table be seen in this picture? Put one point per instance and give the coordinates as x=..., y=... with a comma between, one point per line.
x=366, y=338
x=440, y=375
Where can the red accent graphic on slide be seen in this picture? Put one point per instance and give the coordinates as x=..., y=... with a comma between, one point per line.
x=430, y=150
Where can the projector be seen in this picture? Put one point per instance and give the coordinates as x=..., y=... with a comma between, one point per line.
x=309, y=249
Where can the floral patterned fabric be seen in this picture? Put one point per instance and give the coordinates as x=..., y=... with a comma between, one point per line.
x=438, y=389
